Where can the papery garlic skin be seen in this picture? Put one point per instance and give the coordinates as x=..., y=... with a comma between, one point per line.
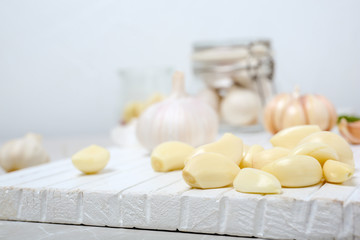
x=228, y=145
x=337, y=172
x=290, y=137
x=334, y=141
x=287, y=110
x=210, y=170
x=170, y=156
x=250, y=180
x=295, y=171
x=178, y=118
x=22, y=153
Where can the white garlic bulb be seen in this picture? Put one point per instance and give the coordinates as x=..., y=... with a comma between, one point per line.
x=24, y=152
x=178, y=118
x=210, y=97
x=243, y=78
x=240, y=107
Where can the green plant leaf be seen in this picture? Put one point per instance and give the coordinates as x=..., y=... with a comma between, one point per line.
x=348, y=118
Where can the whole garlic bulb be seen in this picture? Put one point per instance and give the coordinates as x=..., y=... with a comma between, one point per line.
x=210, y=97
x=287, y=110
x=350, y=129
x=240, y=107
x=22, y=153
x=177, y=118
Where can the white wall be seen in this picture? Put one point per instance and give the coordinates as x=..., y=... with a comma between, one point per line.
x=59, y=59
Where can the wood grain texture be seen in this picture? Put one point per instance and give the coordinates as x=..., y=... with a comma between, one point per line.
x=128, y=193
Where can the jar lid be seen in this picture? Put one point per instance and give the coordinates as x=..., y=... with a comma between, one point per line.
x=227, y=56
x=229, y=43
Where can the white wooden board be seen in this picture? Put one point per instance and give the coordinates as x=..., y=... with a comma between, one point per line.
x=128, y=193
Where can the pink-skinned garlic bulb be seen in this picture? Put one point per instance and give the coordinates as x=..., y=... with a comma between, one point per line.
x=180, y=117
x=349, y=128
x=288, y=110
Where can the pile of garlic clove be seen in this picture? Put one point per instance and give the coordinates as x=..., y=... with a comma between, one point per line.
x=302, y=156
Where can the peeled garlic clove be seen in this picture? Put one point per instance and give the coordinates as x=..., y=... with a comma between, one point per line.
x=337, y=172
x=91, y=159
x=155, y=98
x=250, y=180
x=290, y=137
x=334, y=141
x=265, y=157
x=228, y=145
x=245, y=149
x=132, y=110
x=295, y=171
x=210, y=170
x=170, y=156
x=319, y=151
x=240, y=107
x=247, y=161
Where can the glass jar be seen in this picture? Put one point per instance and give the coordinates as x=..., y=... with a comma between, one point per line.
x=240, y=75
x=141, y=87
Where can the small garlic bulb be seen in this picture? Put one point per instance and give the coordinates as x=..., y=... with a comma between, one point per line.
x=210, y=97
x=240, y=107
x=22, y=153
x=350, y=130
x=288, y=110
x=177, y=118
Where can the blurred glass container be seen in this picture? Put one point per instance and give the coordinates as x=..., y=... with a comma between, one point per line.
x=141, y=87
x=240, y=75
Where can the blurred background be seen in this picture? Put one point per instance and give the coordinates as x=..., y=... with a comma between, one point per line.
x=60, y=61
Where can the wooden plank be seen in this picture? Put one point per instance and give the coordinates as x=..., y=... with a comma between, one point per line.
x=128, y=193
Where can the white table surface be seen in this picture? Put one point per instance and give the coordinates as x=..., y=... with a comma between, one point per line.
x=60, y=148
x=28, y=230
